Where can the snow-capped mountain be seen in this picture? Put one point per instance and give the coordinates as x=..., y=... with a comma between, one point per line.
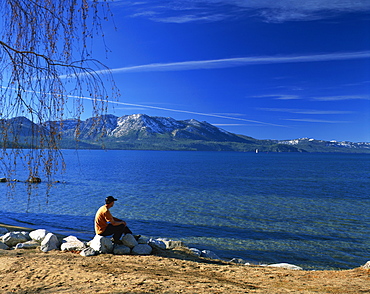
x=333, y=143
x=140, y=131
x=138, y=126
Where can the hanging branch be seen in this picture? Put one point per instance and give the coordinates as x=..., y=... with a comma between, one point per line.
x=44, y=60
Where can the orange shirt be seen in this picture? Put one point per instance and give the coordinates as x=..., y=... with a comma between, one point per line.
x=102, y=216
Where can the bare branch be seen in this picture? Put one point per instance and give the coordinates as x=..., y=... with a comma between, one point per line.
x=44, y=60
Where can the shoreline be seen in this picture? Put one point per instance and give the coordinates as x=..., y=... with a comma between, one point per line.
x=216, y=258
x=165, y=271
x=212, y=255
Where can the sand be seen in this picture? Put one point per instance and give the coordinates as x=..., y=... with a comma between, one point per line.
x=168, y=271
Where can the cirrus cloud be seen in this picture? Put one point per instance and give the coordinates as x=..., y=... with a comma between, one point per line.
x=182, y=11
x=237, y=62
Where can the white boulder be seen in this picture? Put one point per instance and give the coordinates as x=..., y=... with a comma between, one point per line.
x=209, y=254
x=72, y=243
x=142, y=249
x=143, y=240
x=101, y=244
x=238, y=261
x=121, y=250
x=13, y=238
x=38, y=235
x=88, y=252
x=196, y=251
x=366, y=265
x=28, y=245
x=50, y=242
x=129, y=240
x=286, y=266
x=171, y=244
x=164, y=243
x=157, y=243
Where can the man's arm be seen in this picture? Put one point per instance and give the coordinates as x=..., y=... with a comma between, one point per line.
x=118, y=222
x=114, y=221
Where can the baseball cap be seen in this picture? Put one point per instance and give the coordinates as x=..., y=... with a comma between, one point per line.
x=110, y=199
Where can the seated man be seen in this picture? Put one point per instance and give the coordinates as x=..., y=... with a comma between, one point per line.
x=106, y=224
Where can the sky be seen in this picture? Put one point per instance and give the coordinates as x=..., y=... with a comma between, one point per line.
x=269, y=69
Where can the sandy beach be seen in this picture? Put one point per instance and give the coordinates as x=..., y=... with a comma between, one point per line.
x=167, y=271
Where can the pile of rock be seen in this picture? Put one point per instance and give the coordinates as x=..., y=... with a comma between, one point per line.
x=47, y=241
x=38, y=238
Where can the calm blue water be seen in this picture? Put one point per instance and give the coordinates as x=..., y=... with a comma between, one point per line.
x=311, y=210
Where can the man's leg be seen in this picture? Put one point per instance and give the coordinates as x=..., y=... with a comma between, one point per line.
x=119, y=230
x=116, y=231
x=126, y=230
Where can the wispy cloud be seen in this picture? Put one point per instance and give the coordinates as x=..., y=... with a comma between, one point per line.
x=316, y=120
x=279, y=96
x=182, y=11
x=228, y=125
x=307, y=111
x=231, y=114
x=141, y=106
x=240, y=61
x=342, y=98
x=184, y=111
x=192, y=18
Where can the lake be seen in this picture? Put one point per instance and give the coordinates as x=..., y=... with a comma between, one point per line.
x=311, y=210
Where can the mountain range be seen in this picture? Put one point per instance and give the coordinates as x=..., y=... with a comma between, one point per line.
x=143, y=132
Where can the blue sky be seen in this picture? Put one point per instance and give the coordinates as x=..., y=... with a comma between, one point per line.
x=267, y=69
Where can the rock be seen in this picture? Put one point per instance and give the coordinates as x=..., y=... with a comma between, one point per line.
x=101, y=244
x=143, y=240
x=121, y=250
x=72, y=243
x=3, y=231
x=88, y=252
x=50, y=242
x=142, y=249
x=129, y=241
x=38, y=235
x=286, y=265
x=366, y=265
x=13, y=238
x=27, y=235
x=71, y=239
x=238, y=261
x=209, y=254
x=196, y=251
x=3, y=246
x=156, y=243
x=171, y=244
x=166, y=244
x=34, y=180
x=28, y=245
